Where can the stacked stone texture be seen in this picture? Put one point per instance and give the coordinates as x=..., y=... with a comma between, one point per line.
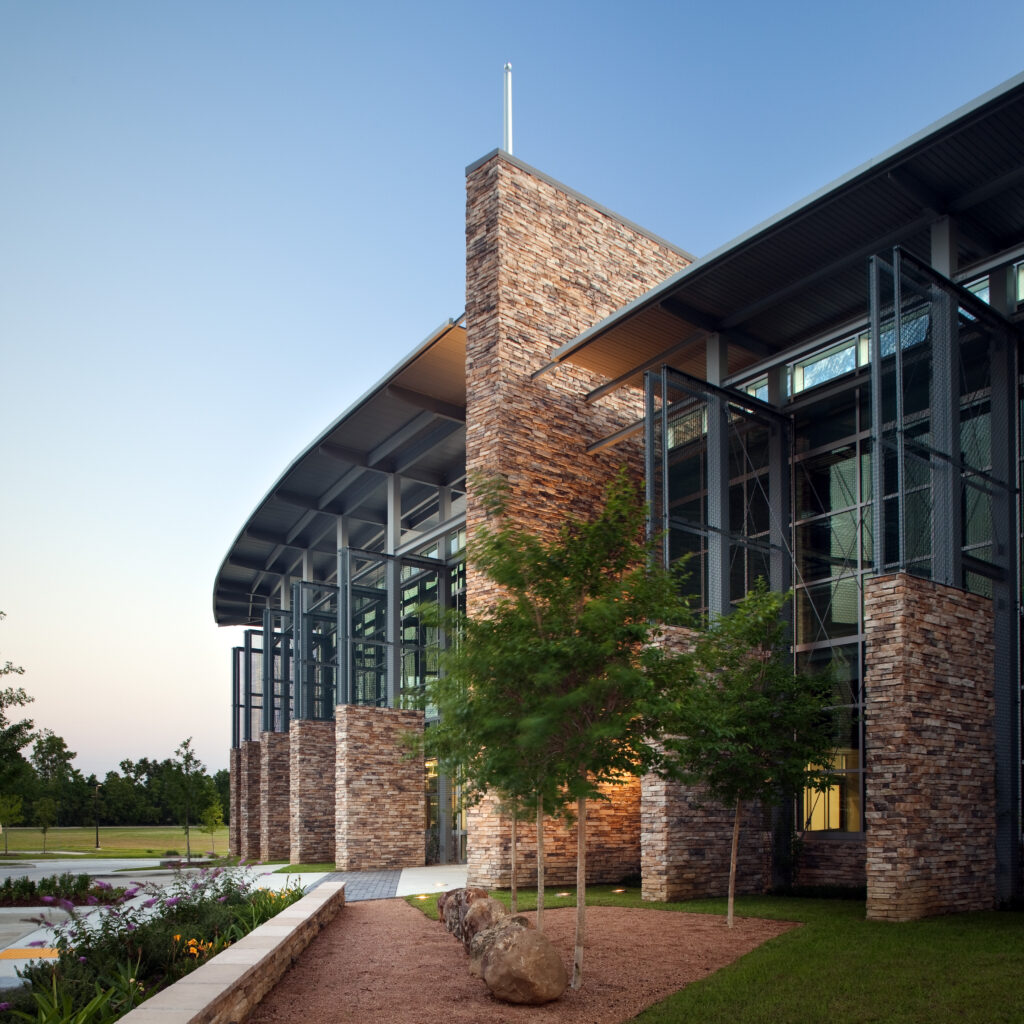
x=311, y=791
x=542, y=266
x=235, y=796
x=613, y=842
x=381, y=798
x=929, y=711
x=685, y=843
x=249, y=800
x=831, y=860
x=275, y=811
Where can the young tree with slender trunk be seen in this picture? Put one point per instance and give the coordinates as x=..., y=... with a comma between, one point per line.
x=553, y=692
x=749, y=727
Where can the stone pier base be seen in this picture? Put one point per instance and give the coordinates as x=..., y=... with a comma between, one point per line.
x=381, y=797
x=311, y=789
x=930, y=804
x=249, y=800
x=275, y=825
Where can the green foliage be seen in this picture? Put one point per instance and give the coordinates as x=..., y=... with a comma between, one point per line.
x=212, y=821
x=191, y=785
x=45, y=815
x=555, y=688
x=749, y=727
x=77, y=889
x=130, y=950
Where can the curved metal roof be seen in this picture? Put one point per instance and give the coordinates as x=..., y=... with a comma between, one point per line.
x=412, y=423
x=803, y=272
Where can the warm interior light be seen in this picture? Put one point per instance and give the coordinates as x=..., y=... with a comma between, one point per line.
x=563, y=894
x=618, y=890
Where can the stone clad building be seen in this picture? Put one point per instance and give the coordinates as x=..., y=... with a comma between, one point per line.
x=832, y=402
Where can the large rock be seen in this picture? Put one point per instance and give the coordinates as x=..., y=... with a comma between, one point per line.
x=522, y=966
x=456, y=903
x=483, y=940
x=480, y=915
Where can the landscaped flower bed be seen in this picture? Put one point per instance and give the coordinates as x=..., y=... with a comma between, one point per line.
x=79, y=890
x=111, y=959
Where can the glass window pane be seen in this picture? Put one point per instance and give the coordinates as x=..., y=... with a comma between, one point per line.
x=828, y=611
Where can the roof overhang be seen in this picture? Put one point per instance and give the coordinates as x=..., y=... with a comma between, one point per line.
x=803, y=273
x=410, y=425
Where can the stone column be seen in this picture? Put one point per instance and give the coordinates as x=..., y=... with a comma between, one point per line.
x=311, y=791
x=686, y=840
x=249, y=800
x=381, y=796
x=275, y=811
x=234, y=797
x=613, y=842
x=929, y=714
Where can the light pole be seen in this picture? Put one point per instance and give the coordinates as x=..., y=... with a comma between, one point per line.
x=96, y=812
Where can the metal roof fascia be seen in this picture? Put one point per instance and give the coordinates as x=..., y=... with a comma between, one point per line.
x=803, y=206
x=431, y=339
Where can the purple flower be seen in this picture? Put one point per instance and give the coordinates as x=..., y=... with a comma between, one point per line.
x=130, y=926
x=47, y=899
x=223, y=899
x=67, y=905
x=153, y=902
x=38, y=944
x=92, y=901
x=172, y=901
x=4, y=1006
x=81, y=959
x=129, y=893
x=100, y=884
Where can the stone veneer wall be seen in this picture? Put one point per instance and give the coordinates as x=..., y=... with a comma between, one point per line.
x=381, y=796
x=542, y=265
x=249, y=800
x=235, y=798
x=311, y=791
x=613, y=842
x=685, y=843
x=275, y=812
x=929, y=714
x=831, y=860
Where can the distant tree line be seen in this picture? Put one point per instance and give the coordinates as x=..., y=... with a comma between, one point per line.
x=39, y=785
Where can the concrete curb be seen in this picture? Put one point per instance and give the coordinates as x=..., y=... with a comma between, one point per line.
x=230, y=986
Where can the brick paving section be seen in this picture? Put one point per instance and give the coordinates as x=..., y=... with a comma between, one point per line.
x=365, y=885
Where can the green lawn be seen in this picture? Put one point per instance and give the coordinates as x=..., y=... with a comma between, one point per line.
x=115, y=841
x=839, y=968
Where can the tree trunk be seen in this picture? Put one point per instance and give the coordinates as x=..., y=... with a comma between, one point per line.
x=514, y=900
x=581, y=890
x=732, y=863
x=540, y=864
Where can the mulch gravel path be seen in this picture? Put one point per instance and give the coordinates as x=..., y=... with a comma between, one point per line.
x=383, y=962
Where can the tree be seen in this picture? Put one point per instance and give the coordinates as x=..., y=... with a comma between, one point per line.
x=749, y=727
x=212, y=819
x=554, y=690
x=52, y=759
x=10, y=814
x=191, y=780
x=14, y=735
x=45, y=815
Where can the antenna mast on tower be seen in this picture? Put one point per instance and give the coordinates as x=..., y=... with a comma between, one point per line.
x=507, y=138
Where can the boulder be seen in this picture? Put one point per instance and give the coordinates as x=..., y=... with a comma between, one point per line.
x=480, y=915
x=522, y=966
x=456, y=903
x=483, y=940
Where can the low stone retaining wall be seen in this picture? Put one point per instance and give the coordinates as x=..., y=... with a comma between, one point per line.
x=230, y=986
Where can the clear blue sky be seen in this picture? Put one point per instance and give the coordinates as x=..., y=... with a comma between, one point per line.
x=220, y=222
